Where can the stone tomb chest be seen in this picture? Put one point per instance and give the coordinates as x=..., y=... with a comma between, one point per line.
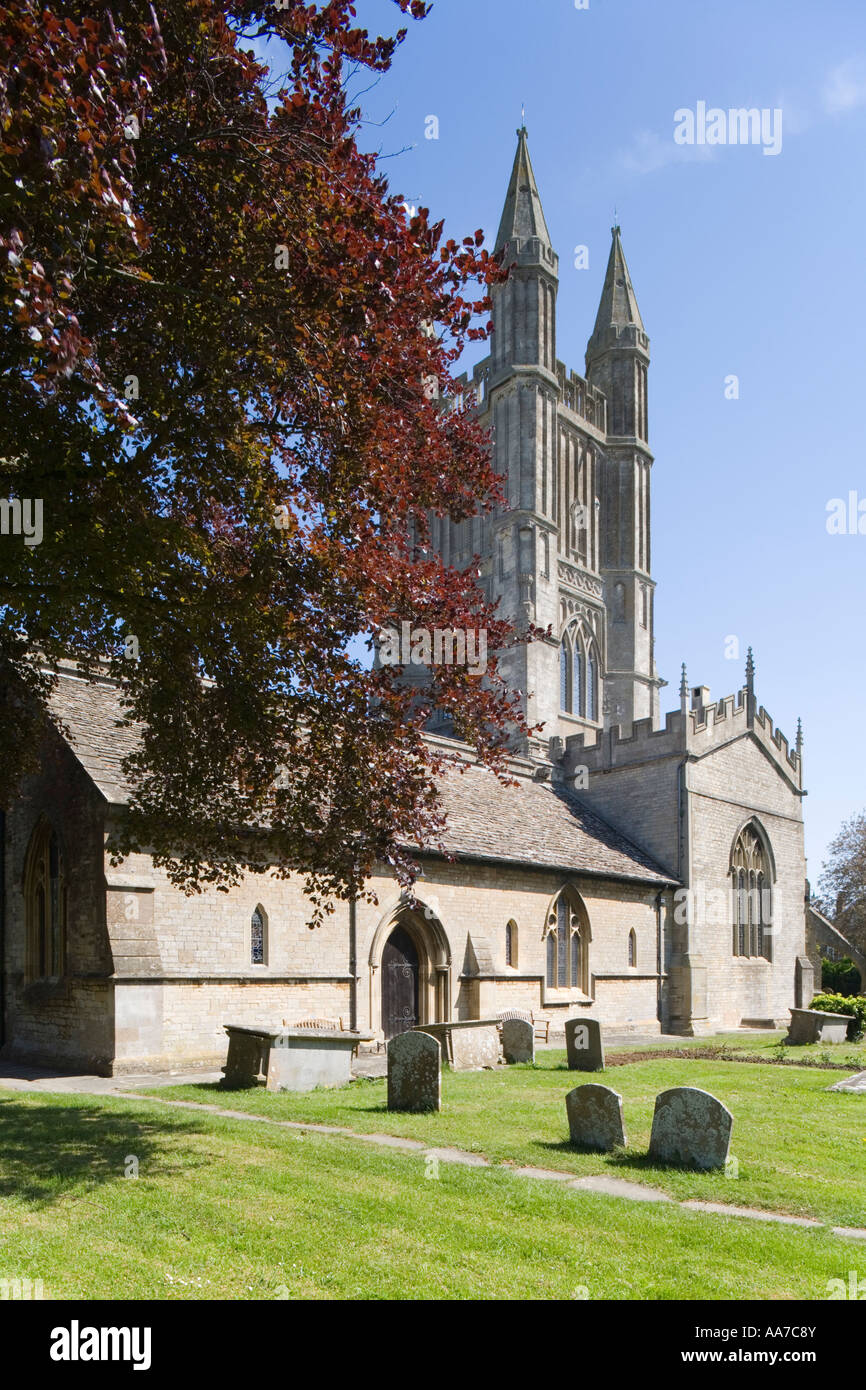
x=813, y=1025
x=467, y=1046
x=292, y=1059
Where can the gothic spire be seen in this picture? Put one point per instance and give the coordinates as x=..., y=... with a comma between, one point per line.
x=522, y=216
x=618, y=307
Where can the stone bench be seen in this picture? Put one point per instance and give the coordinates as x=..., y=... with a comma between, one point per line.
x=290, y=1059
x=813, y=1025
x=466, y=1046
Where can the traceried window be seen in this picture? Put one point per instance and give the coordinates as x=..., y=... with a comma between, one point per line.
x=45, y=899
x=258, y=937
x=579, y=673
x=511, y=943
x=567, y=944
x=751, y=895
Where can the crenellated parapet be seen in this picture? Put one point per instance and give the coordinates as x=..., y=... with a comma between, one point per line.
x=585, y=401
x=687, y=733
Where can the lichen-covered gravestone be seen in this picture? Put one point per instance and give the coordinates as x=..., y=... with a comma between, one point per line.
x=690, y=1126
x=414, y=1072
x=583, y=1044
x=518, y=1040
x=595, y=1117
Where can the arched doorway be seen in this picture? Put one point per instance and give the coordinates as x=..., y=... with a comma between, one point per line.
x=400, y=971
x=409, y=949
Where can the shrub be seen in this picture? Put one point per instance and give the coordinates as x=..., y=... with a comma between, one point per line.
x=842, y=1004
x=840, y=977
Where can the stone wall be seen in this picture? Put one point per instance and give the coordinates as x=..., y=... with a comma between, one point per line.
x=67, y=1022
x=205, y=980
x=733, y=783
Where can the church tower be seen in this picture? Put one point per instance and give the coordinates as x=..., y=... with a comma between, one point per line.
x=570, y=549
x=617, y=358
x=522, y=392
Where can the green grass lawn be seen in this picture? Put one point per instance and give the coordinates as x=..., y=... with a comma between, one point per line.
x=228, y=1209
x=800, y=1150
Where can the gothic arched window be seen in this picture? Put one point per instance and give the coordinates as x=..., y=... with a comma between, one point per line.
x=632, y=949
x=511, y=943
x=752, y=895
x=579, y=673
x=45, y=904
x=258, y=936
x=567, y=947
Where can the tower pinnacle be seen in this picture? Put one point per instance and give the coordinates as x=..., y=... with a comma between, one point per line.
x=522, y=215
x=750, y=672
x=684, y=688
x=618, y=305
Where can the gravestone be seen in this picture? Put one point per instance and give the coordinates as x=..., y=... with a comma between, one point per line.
x=414, y=1072
x=690, y=1126
x=584, y=1045
x=595, y=1117
x=518, y=1040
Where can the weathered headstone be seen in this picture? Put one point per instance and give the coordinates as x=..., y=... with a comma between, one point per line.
x=518, y=1040
x=690, y=1126
x=414, y=1072
x=595, y=1117
x=584, y=1045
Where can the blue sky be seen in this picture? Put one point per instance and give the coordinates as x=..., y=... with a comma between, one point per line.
x=743, y=263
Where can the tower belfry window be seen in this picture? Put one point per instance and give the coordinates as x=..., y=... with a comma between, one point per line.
x=579, y=673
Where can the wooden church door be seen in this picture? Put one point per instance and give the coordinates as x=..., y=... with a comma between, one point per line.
x=399, y=983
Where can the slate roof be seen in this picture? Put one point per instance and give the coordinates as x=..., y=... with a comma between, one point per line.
x=91, y=712
x=533, y=823
x=536, y=823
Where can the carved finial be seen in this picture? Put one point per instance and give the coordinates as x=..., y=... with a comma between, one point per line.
x=684, y=686
x=799, y=741
x=750, y=672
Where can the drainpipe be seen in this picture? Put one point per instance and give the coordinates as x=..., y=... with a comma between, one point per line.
x=353, y=963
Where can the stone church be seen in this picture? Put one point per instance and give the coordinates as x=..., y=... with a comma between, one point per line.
x=648, y=871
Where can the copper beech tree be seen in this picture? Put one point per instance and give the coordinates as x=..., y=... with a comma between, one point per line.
x=219, y=332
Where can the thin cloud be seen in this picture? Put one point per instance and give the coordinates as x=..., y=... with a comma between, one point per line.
x=845, y=87
x=649, y=152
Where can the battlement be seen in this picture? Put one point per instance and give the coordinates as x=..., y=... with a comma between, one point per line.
x=582, y=399
x=607, y=748
x=686, y=733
